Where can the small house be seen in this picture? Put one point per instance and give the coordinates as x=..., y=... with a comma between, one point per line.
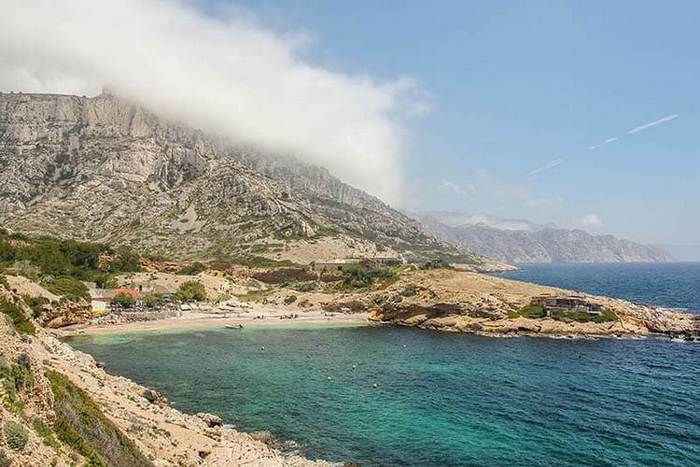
x=551, y=304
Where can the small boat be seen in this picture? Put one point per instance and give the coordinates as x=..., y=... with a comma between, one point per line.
x=234, y=326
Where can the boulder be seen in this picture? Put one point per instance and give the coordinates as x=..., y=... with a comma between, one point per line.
x=154, y=397
x=210, y=419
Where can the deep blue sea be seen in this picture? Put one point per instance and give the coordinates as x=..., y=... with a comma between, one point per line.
x=671, y=285
x=442, y=399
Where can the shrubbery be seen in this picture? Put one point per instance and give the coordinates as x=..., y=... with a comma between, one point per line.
x=81, y=425
x=153, y=300
x=124, y=300
x=360, y=276
x=16, y=436
x=68, y=287
x=190, y=291
x=56, y=258
x=45, y=433
x=192, y=269
x=5, y=460
x=530, y=311
x=21, y=323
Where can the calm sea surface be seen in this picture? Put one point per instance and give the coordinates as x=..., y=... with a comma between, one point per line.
x=443, y=399
x=672, y=285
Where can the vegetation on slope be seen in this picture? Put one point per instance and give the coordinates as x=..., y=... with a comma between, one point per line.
x=82, y=425
x=20, y=322
x=53, y=261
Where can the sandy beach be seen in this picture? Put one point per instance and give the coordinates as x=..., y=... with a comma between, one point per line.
x=257, y=316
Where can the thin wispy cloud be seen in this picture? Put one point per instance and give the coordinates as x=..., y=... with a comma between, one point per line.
x=612, y=139
x=549, y=165
x=607, y=141
x=458, y=189
x=667, y=118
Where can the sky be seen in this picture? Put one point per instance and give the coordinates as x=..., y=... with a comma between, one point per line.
x=582, y=114
x=513, y=86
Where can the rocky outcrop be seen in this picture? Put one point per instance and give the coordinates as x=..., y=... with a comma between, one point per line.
x=524, y=242
x=452, y=300
x=105, y=169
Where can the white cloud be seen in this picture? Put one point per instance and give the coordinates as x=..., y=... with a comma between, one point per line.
x=458, y=189
x=589, y=221
x=651, y=124
x=226, y=75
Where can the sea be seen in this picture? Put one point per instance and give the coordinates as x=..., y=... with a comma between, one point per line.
x=384, y=395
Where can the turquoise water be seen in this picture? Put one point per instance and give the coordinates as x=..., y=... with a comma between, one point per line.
x=673, y=285
x=443, y=399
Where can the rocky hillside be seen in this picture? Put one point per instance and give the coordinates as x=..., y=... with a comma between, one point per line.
x=538, y=244
x=104, y=169
x=58, y=407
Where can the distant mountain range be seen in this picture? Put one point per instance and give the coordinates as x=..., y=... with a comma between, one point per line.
x=521, y=241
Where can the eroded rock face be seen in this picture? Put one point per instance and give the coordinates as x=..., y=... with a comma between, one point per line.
x=105, y=169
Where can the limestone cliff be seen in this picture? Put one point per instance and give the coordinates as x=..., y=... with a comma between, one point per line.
x=105, y=169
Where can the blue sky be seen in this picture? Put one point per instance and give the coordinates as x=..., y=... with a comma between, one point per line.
x=515, y=85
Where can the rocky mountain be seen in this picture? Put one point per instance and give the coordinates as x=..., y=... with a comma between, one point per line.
x=105, y=169
x=526, y=242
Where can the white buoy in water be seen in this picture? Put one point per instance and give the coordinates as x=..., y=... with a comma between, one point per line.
x=375, y=386
x=354, y=367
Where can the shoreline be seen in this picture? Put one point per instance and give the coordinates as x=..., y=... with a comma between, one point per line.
x=212, y=321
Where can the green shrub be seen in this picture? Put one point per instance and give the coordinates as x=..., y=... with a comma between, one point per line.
x=289, y=299
x=69, y=287
x=530, y=311
x=21, y=323
x=81, y=425
x=409, y=291
x=45, y=433
x=305, y=286
x=153, y=300
x=190, y=291
x=192, y=269
x=357, y=276
x=584, y=317
x=124, y=300
x=360, y=276
x=27, y=269
x=36, y=304
x=16, y=436
x=5, y=460
x=105, y=281
x=439, y=263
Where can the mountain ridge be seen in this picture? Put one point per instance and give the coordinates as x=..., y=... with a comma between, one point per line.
x=103, y=168
x=541, y=244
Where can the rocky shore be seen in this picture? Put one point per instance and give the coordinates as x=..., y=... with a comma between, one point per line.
x=454, y=300
x=61, y=408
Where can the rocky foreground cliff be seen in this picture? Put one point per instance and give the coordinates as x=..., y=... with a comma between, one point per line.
x=59, y=408
x=513, y=241
x=104, y=169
